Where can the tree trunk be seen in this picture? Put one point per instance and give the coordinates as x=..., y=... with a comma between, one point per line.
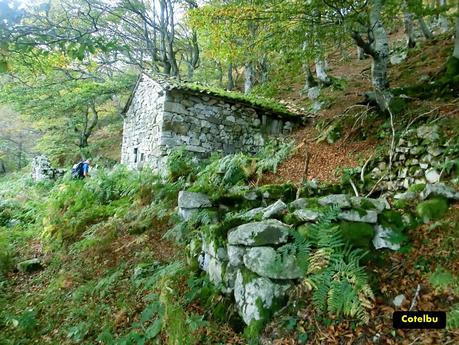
x=456, y=40
x=380, y=61
x=321, y=72
x=19, y=165
x=361, y=54
x=408, y=21
x=424, y=28
x=442, y=20
x=378, y=48
x=310, y=81
x=230, y=85
x=88, y=125
x=248, y=77
x=263, y=70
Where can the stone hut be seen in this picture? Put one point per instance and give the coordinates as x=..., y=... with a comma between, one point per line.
x=162, y=114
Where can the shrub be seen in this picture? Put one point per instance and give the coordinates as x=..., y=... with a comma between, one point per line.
x=75, y=205
x=180, y=163
x=432, y=209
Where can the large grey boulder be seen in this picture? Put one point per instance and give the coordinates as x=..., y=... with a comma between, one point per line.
x=429, y=133
x=255, y=295
x=193, y=200
x=253, y=213
x=432, y=175
x=439, y=189
x=379, y=204
x=382, y=238
x=342, y=200
x=274, y=210
x=405, y=196
x=299, y=203
x=214, y=250
x=369, y=216
x=259, y=233
x=306, y=215
x=236, y=255
x=190, y=203
x=271, y=263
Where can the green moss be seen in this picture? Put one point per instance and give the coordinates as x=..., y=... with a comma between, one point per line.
x=452, y=67
x=366, y=205
x=334, y=134
x=305, y=231
x=357, y=234
x=239, y=198
x=400, y=204
x=286, y=191
x=313, y=204
x=391, y=219
x=247, y=276
x=253, y=330
x=220, y=230
x=290, y=219
x=417, y=188
x=432, y=209
x=398, y=105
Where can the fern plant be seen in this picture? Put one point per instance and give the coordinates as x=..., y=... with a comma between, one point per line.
x=340, y=284
x=272, y=154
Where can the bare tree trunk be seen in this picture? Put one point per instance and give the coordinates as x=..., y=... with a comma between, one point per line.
x=442, y=20
x=19, y=165
x=456, y=39
x=248, y=77
x=378, y=48
x=230, y=85
x=321, y=72
x=380, y=61
x=88, y=125
x=424, y=28
x=309, y=81
x=360, y=53
x=263, y=70
x=408, y=21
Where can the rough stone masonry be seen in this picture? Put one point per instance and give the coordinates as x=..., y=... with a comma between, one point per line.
x=163, y=114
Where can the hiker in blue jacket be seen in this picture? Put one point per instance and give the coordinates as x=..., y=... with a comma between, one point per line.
x=86, y=168
x=81, y=169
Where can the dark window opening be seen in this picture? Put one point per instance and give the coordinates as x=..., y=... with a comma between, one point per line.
x=135, y=155
x=141, y=157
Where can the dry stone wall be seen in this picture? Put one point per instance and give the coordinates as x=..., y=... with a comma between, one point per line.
x=160, y=119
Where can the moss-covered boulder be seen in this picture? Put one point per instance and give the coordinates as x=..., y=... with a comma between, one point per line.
x=306, y=215
x=391, y=219
x=28, y=266
x=257, y=298
x=285, y=192
x=359, y=215
x=357, y=234
x=259, y=233
x=432, y=209
x=280, y=263
x=341, y=200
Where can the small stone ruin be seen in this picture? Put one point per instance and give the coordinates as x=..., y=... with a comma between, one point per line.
x=42, y=169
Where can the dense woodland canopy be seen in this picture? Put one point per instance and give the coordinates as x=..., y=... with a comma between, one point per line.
x=114, y=261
